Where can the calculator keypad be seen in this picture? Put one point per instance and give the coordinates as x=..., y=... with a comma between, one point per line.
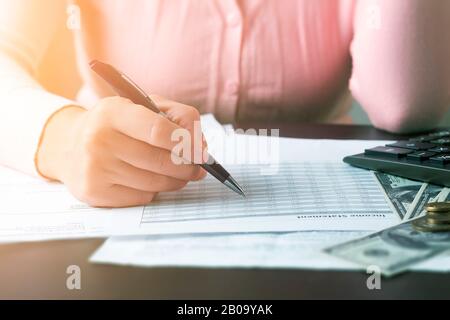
x=421, y=156
x=441, y=159
x=440, y=149
x=432, y=149
x=412, y=145
x=387, y=151
x=443, y=141
x=425, y=158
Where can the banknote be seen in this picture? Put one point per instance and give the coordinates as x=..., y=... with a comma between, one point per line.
x=400, y=192
x=444, y=196
x=393, y=250
x=430, y=193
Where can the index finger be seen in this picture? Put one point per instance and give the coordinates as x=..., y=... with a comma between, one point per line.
x=142, y=124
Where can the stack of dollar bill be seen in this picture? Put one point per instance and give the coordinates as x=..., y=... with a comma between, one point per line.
x=398, y=248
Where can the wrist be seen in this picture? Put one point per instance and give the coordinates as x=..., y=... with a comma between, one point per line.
x=56, y=141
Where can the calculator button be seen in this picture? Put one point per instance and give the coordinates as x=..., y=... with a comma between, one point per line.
x=421, y=155
x=443, y=141
x=440, y=134
x=423, y=139
x=412, y=145
x=391, y=152
x=440, y=149
x=442, y=159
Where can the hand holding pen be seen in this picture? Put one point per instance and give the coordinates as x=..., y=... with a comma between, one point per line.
x=107, y=157
x=125, y=87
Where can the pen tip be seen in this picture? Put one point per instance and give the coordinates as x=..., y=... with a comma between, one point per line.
x=241, y=192
x=233, y=185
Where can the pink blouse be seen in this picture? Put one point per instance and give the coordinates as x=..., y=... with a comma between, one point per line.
x=239, y=59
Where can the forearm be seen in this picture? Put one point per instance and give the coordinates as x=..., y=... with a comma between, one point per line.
x=26, y=29
x=25, y=108
x=401, y=55
x=57, y=137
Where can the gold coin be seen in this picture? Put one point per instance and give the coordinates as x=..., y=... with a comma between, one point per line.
x=422, y=225
x=438, y=220
x=441, y=207
x=444, y=215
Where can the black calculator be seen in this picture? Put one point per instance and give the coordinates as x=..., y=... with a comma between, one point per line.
x=425, y=158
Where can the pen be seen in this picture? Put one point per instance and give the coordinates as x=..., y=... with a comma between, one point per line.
x=126, y=88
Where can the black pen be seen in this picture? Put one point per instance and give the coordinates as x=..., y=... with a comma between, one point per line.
x=126, y=88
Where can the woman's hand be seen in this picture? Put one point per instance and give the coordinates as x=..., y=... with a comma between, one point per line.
x=119, y=154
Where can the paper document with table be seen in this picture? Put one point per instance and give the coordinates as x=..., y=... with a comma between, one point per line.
x=300, y=200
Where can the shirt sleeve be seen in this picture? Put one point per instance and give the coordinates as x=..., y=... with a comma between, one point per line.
x=26, y=29
x=401, y=69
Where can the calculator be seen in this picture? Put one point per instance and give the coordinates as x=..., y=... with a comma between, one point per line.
x=425, y=158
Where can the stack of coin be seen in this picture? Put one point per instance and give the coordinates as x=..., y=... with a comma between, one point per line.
x=437, y=218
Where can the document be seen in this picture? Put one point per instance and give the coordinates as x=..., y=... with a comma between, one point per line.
x=31, y=210
x=299, y=250
x=307, y=187
x=302, y=196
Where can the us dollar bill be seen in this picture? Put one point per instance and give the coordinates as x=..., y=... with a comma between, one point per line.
x=430, y=193
x=393, y=250
x=445, y=195
x=400, y=192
